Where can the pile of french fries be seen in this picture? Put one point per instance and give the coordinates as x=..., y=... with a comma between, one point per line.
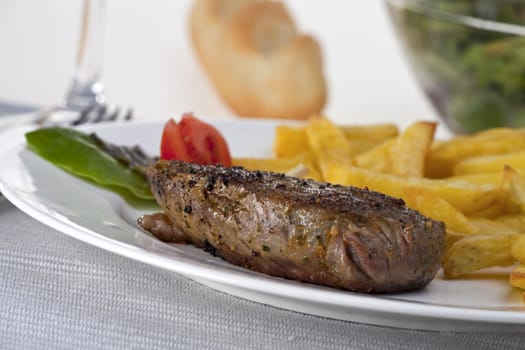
x=472, y=183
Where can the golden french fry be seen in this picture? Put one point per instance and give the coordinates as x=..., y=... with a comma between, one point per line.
x=514, y=184
x=327, y=143
x=362, y=138
x=494, y=179
x=516, y=221
x=430, y=204
x=493, y=227
x=517, y=277
x=492, y=212
x=477, y=252
x=376, y=158
x=452, y=237
x=489, y=164
x=282, y=165
x=376, y=132
x=492, y=133
x=443, y=158
x=289, y=141
x=518, y=249
x=408, y=154
x=465, y=197
x=360, y=146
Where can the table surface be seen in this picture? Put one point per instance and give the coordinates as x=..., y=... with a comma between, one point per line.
x=57, y=292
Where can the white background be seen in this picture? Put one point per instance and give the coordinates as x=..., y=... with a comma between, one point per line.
x=149, y=62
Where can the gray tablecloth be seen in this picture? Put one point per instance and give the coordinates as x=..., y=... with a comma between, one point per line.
x=59, y=293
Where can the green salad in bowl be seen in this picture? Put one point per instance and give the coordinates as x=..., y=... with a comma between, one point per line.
x=469, y=57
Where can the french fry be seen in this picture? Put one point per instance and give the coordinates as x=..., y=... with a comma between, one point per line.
x=362, y=138
x=360, y=146
x=282, y=165
x=409, y=153
x=465, y=197
x=514, y=184
x=452, y=237
x=477, y=252
x=489, y=164
x=327, y=143
x=443, y=158
x=494, y=227
x=289, y=141
x=404, y=155
x=430, y=204
x=518, y=249
x=503, y=207
x=492, y=133
x=376, y=158
x=494, y=179
x=494, y=211
x=376, y=132
x=516, y=221
x=517, y=277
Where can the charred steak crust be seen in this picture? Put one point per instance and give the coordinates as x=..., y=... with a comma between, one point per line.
x=338, y=236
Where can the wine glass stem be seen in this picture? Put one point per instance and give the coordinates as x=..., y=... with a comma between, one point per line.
x=87, y=88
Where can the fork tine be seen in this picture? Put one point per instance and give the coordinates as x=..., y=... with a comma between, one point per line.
x=113, y=116
x=83, y=117
x=100, y=114
x=97, y=113
x=129, y=114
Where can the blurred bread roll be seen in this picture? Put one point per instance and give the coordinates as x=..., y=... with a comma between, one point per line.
x=257, y=60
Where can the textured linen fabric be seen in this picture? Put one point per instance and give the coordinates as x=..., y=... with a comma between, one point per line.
x=60, y=293
x=7, y=108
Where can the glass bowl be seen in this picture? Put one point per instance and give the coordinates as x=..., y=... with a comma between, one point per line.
x=469, y=58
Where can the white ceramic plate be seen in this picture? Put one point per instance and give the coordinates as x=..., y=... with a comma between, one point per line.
x=102, y=218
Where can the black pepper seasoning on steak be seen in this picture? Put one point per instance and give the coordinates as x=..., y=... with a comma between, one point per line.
x=338, y=236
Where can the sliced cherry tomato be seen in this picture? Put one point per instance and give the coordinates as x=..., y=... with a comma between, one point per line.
x=172, y=146
x=197, y=142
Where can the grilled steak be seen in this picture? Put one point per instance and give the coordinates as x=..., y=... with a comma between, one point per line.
x=337, y=236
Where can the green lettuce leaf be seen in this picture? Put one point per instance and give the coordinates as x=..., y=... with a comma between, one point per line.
x=78, y=154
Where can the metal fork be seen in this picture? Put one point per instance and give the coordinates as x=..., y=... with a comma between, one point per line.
x=93, y=113
x=101, y=114
x=85, y=100
x=56, y=116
